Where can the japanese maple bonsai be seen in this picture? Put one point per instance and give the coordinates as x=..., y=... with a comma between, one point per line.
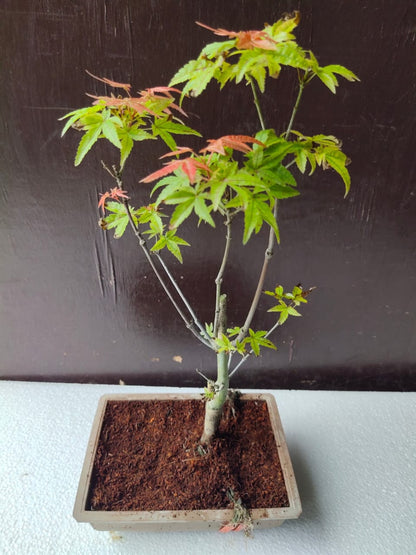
x=234, y=176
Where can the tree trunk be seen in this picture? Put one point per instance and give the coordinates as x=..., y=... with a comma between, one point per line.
x=214, y=406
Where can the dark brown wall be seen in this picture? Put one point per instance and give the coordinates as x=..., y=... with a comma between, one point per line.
x=78, y=305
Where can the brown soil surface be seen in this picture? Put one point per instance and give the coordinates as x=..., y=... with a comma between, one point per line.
x=147, y=458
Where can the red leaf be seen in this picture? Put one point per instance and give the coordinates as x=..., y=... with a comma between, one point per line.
x=188, y=165
x=124, y=86
x=116, y=193
x=236, y=142
x=179, y=150
x=246, y=40
x=166, y=170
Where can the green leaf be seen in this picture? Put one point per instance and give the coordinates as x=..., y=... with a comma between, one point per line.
x=86, y=143
x=283, y=317
x=160, y=244
x=109, y=131
x=201, y=209
x=268, y=217
x=337, y=160
x=168, y=139
x=75, y=115
x=214, y=49
x=126, y=147
x=175, y=250
x=341, y=70
x=259, y=74
x=172, y=127
x=217, y=192
x=181, y=212
x=328, y=79
x=292, y=311
x=301, y=160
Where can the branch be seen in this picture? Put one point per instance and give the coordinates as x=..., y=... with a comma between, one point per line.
x=219, y=278
x=245, y=357
x=183, y=298
x=201, y=334
x=189, y=324
x=254, y=303
x=270, y=245
x=257, y=102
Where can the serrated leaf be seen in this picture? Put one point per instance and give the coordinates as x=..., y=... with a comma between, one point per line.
x=268, y=217
x=214, y=49
x=201, y=209
x=301, y=160
x=109, y=131
x=341, y=70
x=75, y=115
x=292, y=311
x=328, y=79
x=175, y=250
x=86, y=143
x=168, y=139
x=283, y=317
x=126, y=147
x=181, y=212
x=217, y=192
x=259, y=74
x=337, y=160
x=176, y=128
x=160, y=244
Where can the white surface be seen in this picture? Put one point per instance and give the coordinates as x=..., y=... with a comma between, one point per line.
x=354, y=456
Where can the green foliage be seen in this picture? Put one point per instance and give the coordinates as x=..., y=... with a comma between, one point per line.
x=252, y=55
x=233, y=176
x=122, y=122
x=288, y=301
x=117, y=219
x=253, y=342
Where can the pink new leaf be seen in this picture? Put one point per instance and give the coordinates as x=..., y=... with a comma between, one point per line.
x=236, y=142
x=116, y=193
x=246, y=40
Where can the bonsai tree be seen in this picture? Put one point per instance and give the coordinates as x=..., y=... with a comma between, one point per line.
x=231, y=177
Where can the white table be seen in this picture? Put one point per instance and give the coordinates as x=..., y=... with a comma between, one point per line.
x=354, y=456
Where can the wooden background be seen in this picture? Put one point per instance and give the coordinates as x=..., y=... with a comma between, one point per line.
x=77, y=305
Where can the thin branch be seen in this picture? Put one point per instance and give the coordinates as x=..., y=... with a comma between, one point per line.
x=271, y=241
x=257, y=102
x=254, y=303
x=220, y=275
x=189, y=324
x=182, y=296
x=245, y=357
x=296, y=106
x=201, y=334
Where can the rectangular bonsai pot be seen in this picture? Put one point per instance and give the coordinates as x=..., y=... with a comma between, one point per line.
x=183, y=520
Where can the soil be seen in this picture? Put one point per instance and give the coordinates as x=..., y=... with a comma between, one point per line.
x=148, y=458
